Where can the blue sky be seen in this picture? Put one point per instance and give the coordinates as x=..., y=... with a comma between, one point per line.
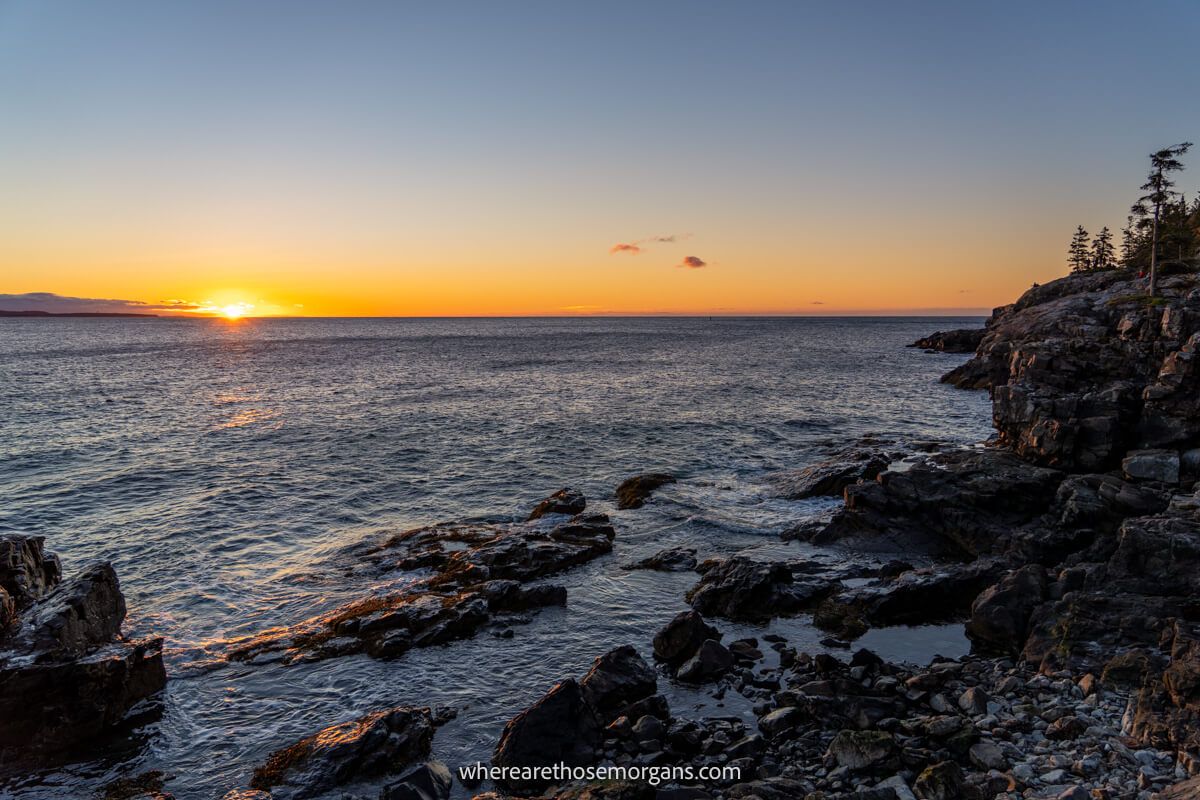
x=285, y=141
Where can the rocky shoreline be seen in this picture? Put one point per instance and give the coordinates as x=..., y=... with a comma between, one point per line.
x=1068, y=547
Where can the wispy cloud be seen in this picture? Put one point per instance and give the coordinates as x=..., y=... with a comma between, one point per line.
x=817, y=303
x=693, y=262
x=637, y=245
x=62, y=304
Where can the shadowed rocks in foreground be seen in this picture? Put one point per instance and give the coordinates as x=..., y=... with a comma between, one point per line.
x=480, y=574
x=394, y=742
x=67, y=676
x=567, y=725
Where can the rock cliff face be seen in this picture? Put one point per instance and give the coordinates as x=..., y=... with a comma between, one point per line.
x=1086, y=368
x=1087, y=505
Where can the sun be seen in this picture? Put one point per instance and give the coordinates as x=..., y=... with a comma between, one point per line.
x=234, y=310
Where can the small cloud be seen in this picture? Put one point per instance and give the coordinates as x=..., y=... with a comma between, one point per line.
x=818, y=302
x=635, y=247
x=692, y=262
x=964, y=291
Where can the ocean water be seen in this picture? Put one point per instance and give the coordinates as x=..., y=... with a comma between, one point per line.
x=225, y=468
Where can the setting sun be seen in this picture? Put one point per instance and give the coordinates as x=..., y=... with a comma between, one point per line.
x=235, y=310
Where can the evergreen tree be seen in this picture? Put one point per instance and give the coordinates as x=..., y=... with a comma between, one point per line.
x=1158, y=189
x=1103, y=254
x=1079, y=255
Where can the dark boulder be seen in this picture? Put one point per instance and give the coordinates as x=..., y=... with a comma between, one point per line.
x=67, y=678
x=564, y=501
x=709, y=662
x=378, y=744
x=83, y=613
x=680, y=638
x=1000, y=614
x=617, y=679
x=742, y=589
x=633, y=492
x=558, y=728
x=63, y=705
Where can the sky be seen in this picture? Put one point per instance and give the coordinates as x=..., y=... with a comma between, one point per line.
x=388, y=158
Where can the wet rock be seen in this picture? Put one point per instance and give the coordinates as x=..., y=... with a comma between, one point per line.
x=428, y=781
x=742, y=589
x=27, y=571
x=67, y=678
x=675, y=559
x=145, y=786
x=1000, y=615
x=711, y=661
x=83, y=613
x=860, y=750
x=617, y=679
x=560, y=727
x=479, y=571
x=378, y=744
x=565, y=501
x=680, y=638
x=633, y=492
x=829, y=477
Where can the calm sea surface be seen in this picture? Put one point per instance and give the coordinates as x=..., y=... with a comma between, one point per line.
x=224, y=468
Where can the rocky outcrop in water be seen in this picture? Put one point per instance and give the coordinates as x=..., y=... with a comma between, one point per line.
x=393, y=742
x=565, y=501
x=482, y=574
x=754, y=591
x=634, y=492
x=961, y=340
x=67, y=676
x=830, y=476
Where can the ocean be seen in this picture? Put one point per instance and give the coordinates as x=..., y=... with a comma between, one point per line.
x=226, y=467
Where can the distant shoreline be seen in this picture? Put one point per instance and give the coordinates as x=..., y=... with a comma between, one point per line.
x=4, y=313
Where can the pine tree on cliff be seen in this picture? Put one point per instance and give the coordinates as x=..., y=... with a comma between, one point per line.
x=1103, y=254
x=1158, y=194
x=1079, y=255
x=1132, y=244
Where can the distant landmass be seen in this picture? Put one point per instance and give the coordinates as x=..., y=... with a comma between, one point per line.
x=4, y=313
